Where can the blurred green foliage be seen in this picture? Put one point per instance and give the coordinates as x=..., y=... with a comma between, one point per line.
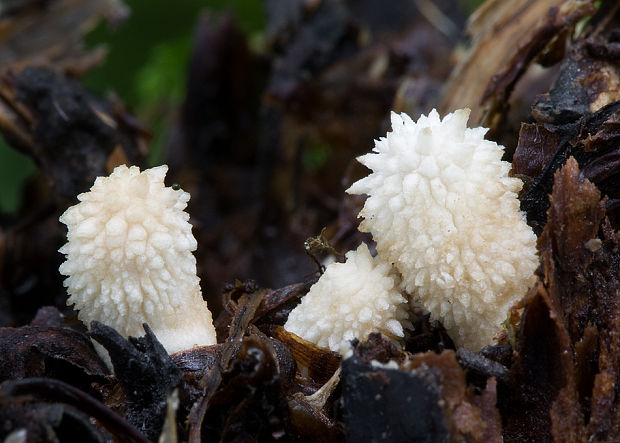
x=149, y=54
x=315, y=156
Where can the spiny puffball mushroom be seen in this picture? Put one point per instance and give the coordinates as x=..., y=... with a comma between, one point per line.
x=442, y=207
x=351, y=300
x=129, y=259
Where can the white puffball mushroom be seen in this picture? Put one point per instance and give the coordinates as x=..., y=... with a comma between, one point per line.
x=129, y=259
x=351, y=300
x=442, y=207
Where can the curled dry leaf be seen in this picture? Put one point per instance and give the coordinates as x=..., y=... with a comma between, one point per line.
x=194, y=363
x=315, y=363
x=48, y=348
x=249, y=403
x=52, y=410
x=310, y=413
x=260, y=306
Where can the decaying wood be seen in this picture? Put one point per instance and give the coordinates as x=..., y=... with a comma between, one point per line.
x=506, y=38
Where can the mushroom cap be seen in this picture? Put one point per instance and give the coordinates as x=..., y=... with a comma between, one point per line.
x=442, y=207
x=351, y=300
x=129, y=259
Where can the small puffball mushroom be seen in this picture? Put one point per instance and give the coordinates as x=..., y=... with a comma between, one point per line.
x=442, y=207
x=351, y=300
x=129, y=259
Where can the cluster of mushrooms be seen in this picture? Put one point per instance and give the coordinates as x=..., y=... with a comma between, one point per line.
x=441, y=207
